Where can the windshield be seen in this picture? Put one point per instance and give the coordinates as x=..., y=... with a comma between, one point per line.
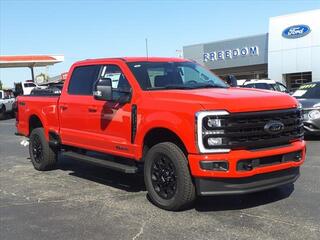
x=309, y=91
x=174, y=75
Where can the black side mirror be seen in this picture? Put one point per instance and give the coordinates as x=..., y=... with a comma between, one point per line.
x=232, y=81
x=103, y=89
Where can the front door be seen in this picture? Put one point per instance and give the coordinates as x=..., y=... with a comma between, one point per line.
x=109, y=122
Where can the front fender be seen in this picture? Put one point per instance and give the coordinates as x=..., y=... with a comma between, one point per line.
x=183, y=127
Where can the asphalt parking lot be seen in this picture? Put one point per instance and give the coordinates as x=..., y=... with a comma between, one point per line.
x=78, y=201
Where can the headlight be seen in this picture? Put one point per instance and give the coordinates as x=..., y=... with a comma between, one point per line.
x=210, y=131
x=314, y=114
x=299, y=106
x=317, y=105
x=212, y=141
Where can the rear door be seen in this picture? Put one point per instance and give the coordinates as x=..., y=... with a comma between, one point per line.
x=74, y=106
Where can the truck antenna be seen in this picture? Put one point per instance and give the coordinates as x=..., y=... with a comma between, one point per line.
x=147, y=50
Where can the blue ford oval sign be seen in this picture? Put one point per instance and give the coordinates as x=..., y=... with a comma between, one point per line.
x=296, y=31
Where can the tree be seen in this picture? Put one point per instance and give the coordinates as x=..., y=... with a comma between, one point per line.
x=0, y=85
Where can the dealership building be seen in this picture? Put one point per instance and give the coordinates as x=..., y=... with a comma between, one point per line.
x=288, y=53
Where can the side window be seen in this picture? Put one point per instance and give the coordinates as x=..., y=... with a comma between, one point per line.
x=155, y=74
x=82, y=79
x=282, y=88
x=120, y=84
x=250, y=85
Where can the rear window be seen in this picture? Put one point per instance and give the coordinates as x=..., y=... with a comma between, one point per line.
x=259, y=86
x=29, y=85
x=0, y=95
x=82, y=80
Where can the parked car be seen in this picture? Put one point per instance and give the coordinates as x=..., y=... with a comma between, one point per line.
x=263, y=84
x=309, y=97
x=7, y=101
x=191, y=133
x=25, y=88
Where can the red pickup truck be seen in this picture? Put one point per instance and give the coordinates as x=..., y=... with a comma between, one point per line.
x=192, y=133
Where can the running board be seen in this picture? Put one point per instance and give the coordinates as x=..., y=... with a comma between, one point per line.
x=102, y=163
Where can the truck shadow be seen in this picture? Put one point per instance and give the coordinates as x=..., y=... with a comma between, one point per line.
x=311, y=138
x=238, y=202
x=126, y=182
x=135, y=183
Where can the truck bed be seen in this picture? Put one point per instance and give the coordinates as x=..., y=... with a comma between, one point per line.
x=46, y=109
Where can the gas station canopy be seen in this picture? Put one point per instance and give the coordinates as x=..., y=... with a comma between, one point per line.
x=30, y=61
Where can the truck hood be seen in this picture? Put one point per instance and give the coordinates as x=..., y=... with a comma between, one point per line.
x=230, y=99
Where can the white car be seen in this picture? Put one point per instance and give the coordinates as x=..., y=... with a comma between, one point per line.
x=27, y=87
x=7, y=101
x=263, y=84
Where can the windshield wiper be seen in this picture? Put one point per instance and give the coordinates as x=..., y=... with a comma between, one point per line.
x=177, y=86
x=207, y=85
x=190, y=86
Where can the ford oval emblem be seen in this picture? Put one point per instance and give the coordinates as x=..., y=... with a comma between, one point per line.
x=296, y=31
x=274, y=127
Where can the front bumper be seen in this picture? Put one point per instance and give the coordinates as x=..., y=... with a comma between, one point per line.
x=260, y=182
x=312, y=127
x=236, y=181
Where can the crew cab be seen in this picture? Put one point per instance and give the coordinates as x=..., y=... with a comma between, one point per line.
x=191, y=133
x=7, y=101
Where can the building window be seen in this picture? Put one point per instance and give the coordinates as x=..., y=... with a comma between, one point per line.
x=294, y=80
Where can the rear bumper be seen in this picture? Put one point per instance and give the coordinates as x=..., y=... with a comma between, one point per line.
x=227, y=186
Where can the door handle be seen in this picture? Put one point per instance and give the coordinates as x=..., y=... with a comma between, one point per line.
x=92, y=109
x=63, y=107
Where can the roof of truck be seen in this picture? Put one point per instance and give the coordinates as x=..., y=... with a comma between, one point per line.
x=135, y=59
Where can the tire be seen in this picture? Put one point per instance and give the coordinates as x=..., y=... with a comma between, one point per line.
x=43, y=157
x=167, y=177
x=13, y=114
x=2, y=112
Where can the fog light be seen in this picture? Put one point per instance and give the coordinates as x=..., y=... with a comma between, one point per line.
x=214, y=141
x=214, y=165
x=298, y=156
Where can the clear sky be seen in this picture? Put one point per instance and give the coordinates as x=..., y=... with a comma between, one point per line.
x=81, y=29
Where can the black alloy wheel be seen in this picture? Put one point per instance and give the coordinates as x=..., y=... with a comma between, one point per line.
x=37, y=150
x=43, y=157
x=164, y=177
x=167, y=177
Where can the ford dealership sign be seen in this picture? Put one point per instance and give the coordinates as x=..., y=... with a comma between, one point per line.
x=296, y=31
